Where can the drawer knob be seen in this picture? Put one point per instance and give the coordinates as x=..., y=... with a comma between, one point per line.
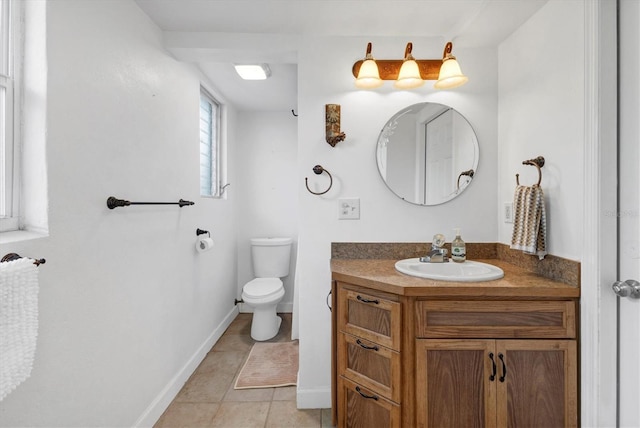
x=374, y=348
x=363, y=300
x=371, y=397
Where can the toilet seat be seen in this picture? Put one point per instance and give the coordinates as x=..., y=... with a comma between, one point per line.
x=263, y=288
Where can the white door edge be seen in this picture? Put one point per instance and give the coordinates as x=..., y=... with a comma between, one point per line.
x=598, y=264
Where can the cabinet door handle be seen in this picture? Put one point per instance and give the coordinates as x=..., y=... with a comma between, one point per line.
x=493, y=364
x=374, y=348
x=363, y=300
x=371, y=397
x=504, y=368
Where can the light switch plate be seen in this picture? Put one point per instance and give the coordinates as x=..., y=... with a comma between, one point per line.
x=349, y=209
x=508, y=212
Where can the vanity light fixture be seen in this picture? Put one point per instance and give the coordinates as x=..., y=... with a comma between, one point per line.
x=409, y=72
x=450, y=74
x=253, y=71
x=409, y=75
x=368, y=76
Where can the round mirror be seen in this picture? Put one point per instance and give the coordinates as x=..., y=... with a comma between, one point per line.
x=427, y=153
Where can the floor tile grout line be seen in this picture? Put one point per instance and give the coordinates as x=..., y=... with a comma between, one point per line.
x=266, y=421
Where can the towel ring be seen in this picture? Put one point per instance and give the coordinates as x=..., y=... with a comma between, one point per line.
x=538, y=163
x=319, y=170
x=469, y=173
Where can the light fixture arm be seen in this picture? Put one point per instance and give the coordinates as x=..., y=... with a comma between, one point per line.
x=407, y=51
x=447, y=50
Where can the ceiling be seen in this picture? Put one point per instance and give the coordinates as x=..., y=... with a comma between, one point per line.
x=214, y=34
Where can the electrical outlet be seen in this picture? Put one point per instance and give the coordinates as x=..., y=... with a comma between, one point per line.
x=508, y=212
x=349, y=209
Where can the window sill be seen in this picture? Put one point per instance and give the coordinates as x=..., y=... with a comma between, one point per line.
x=19, y=236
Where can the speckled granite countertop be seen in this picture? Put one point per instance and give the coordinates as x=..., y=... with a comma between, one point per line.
x=518, y=282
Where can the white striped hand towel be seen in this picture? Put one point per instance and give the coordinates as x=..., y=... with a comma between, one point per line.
x=530, y=221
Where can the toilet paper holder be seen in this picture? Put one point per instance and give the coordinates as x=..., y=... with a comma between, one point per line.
x=202, y=232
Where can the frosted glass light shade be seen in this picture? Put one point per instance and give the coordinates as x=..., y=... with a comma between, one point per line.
x=368, y=76
x=450, y=75
x=253, y=71
x=409, y=76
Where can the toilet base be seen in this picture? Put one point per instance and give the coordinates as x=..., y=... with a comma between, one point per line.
x=265, y=324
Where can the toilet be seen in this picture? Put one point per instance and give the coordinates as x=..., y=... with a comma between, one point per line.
x=270, y=258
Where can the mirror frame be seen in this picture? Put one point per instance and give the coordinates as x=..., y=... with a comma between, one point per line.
x=468, y=172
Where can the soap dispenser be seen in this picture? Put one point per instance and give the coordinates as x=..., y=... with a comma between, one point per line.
x=458, y=248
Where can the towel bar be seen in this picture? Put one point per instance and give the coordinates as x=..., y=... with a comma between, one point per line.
x=13, y=256
x=113, y=202
x=538, y=163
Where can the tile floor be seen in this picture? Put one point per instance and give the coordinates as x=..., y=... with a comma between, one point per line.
x=209, y=400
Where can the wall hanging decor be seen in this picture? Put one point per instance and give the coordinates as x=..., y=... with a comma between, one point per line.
x=332, y=124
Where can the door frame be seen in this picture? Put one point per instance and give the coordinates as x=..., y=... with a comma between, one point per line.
x=599, y=258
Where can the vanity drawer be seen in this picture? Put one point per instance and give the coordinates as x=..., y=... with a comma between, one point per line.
x=370, y=365
x=369, y=316
x=496, y=319
x=360, y=407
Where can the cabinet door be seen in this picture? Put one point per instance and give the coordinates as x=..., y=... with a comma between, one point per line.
x=455, y=386
x=537, y=383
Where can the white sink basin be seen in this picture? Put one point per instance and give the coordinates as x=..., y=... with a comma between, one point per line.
x=468, y=271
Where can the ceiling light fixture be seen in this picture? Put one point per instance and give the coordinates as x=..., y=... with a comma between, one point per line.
x=409, y=72
x=253, y=71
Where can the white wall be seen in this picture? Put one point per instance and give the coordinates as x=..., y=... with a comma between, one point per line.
x=126, y=304
x=324, y=78
x=119, y=320
x=541, y=112
x=266, y=189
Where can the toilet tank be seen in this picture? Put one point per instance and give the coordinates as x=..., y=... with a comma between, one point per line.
x=271, y=257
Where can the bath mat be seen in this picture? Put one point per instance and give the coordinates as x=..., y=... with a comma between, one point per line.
x=269, y=365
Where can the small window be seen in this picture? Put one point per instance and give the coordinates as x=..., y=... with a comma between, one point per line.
x=209, y=145
x=8, y=115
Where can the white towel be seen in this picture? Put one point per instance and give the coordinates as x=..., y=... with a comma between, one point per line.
x=530, y=221
x=18, y=322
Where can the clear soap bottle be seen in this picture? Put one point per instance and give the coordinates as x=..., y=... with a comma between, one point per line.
x=458, y=248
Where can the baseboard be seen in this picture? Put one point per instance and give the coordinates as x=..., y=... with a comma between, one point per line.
x=157, y=407
x=314, y=398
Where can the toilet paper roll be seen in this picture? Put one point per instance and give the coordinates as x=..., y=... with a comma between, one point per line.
x=204, y=244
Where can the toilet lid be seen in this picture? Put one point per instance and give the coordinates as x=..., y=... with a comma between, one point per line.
x=262, y=287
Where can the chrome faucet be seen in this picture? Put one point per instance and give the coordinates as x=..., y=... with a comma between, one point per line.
x=438, y=253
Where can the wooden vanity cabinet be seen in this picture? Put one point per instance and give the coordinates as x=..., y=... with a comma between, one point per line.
x=503, y=380
x=447, y=362
x=368, y=358
x=533, y=383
